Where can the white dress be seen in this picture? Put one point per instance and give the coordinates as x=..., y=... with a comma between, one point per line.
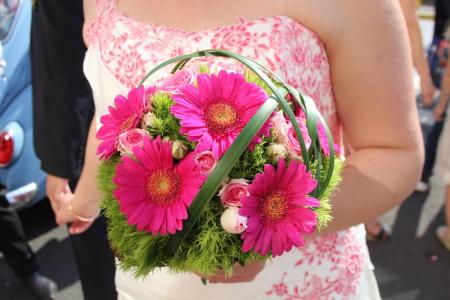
x=334, y=266
x=439, y=180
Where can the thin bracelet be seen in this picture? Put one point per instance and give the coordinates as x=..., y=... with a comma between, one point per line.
x=82, y=219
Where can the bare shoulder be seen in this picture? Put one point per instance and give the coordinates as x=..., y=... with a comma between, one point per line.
x=371, y=68
x=334, y=19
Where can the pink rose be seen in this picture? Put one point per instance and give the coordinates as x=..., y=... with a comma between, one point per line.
x=232, y=193
x=175, y=81
x=232, y=221
x=324, y=141
x=130, y=139
x=292, y=141
x=206, y=161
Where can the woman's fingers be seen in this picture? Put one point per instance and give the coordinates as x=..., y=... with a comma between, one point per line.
x=78, y=227
x=240, y=274
x=438, y=113
x=63, y=215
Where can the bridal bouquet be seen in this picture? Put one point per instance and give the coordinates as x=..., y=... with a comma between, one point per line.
x=205, y=169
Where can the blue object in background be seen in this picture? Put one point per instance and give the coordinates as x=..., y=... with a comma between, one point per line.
x=16, y=103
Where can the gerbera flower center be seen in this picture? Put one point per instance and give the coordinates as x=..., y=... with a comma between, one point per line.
x=127, y=124
x=221, y=117
x=274, y=207
x=163, y=187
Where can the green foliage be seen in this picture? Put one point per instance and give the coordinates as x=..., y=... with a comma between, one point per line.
x=203, y=69
x=164, y=124
x=250, y=76
x=251, y=162
x=324, y=211
x=207, y=249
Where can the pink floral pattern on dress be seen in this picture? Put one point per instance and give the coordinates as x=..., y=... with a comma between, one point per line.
x=340, y=255
x=327, y=267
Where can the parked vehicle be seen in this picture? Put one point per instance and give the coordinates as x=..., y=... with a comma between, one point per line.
x=20, y=171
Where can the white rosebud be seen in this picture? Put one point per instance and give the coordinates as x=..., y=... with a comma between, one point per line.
x=166, y=139
x=148, y=120
x=179, y=149
x=232, y=221
x=225, y=180
x=277, y=151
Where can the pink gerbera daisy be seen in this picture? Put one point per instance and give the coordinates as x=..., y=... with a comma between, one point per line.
x=123, y=116
x=321, y=133
x=214, y=113
x=278, y=209
x=153, y=192
x=323, y=138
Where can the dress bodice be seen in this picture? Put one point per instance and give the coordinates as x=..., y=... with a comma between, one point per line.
x=129, y=48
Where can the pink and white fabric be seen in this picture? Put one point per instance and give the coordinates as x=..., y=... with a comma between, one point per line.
x=121, y=50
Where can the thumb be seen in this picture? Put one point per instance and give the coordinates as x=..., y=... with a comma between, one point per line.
x=65, y=197
x=63, y=216
x=67, y=189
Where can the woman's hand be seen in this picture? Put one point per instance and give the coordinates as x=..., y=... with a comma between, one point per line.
x=81, y=218
x=56, y=186
x=428, y=90
x=438, y=112
x=81, y=208
x=240, y=274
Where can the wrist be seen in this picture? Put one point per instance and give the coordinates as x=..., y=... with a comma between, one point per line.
x=86, y=211
x=87, y=196
x=442, y=104
x=425, y=80
x=80, y=217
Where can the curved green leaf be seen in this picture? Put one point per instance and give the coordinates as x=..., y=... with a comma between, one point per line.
x=224, y=166
x=259, y=71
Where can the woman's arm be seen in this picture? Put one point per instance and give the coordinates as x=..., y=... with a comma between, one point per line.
x=418, y=53
x=87, y=194
x=372, y=81
x=85, y=200
x=441, y=106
